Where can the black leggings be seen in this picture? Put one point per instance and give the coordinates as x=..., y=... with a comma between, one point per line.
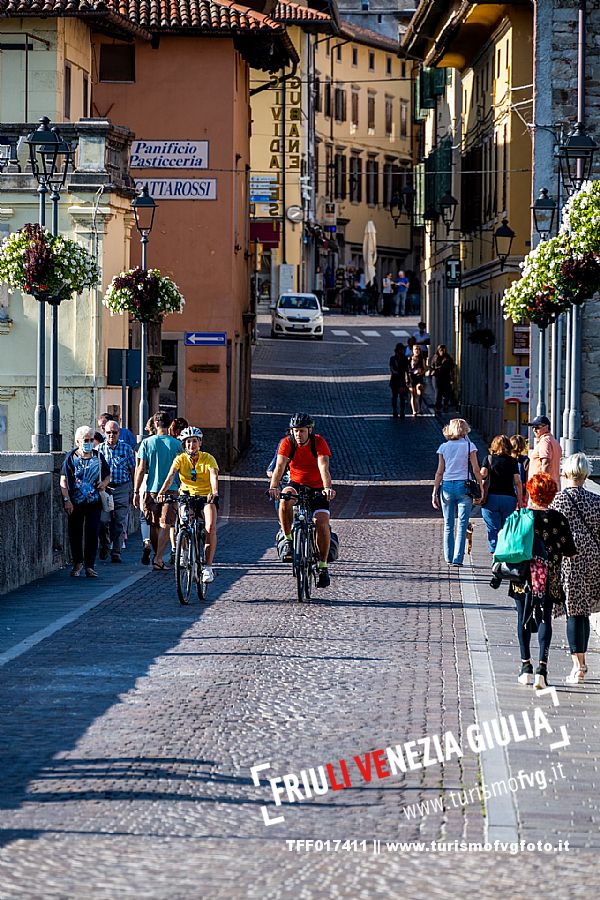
x=544, y=632
x=578, y=633
x=84, y=525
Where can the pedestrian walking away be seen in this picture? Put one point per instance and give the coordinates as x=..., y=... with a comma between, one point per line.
x=416, y=380
x=536, y=598
x=456, y=459
x=518, y=450
x=503, y=491
x=84, y=474
x=580, y=575
x=308, y=457
x=399, y=380
x=442, y=370
x=155, y=456
x=121, y=462
x=546, y=453
x=199, y=476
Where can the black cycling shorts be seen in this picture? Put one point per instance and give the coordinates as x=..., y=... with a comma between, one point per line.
x=317, y=502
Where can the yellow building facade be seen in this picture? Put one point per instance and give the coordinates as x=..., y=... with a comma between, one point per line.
x=477, y=148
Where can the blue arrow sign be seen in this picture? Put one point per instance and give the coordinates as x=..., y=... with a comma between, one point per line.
x=206, y=338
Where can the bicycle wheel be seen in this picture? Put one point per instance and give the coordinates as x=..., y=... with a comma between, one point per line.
x=184, y=565
x=201, y=586
x=301, y=563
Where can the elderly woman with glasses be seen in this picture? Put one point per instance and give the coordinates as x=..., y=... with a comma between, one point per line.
x=84, y=473
x=199, y=477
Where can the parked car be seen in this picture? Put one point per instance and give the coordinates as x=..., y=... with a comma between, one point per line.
x=297, y=314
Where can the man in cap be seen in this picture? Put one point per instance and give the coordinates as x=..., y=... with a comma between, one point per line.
x=544, y=459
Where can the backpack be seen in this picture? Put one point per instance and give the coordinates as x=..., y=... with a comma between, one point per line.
x=515, y=541
x=294, y=445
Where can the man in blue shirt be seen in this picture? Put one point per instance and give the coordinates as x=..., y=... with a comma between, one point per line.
x=121, y=462
x=399, y=304
x=154, y=458
x=125, y=434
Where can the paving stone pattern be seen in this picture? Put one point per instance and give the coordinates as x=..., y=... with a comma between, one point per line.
x=128, y=736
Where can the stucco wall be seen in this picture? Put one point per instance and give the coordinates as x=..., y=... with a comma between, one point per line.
x=25, y=528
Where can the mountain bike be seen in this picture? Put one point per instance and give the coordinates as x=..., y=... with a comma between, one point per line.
x=305, y=557
x=189, y=549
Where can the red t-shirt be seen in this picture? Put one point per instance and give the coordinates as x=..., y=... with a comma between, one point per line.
x=304, y=468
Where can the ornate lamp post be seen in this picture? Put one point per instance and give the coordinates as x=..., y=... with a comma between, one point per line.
x=396, y=209
x=543, y=210
x=448, y=205
x=144, y=208
x=575, y=158
x=49, y=157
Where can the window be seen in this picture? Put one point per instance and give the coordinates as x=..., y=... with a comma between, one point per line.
x=67, y=94
x=328, y=47
x=403, y=70
x=354, y=56
x=117, y=62
x=403, y=118
x=389, y=116
x=499, y=63
x=507, y=54
x=355, y=179
x=327, y=99
x=388, y=66
x=354, y=110
x=372, y=181
x=371, y=112
x=338, y=52
x=371, y=61
x=340, y=104
x=340, y=176
x=329, y=171
x=387, y=183
x=317, y=94
x=86, y=96
x=317, y=169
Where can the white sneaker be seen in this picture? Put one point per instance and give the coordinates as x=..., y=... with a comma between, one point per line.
x=207, y=574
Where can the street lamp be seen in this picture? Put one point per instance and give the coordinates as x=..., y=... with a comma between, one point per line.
x=408, y=197
x=544, y=210
x=430, y=217
x=575, y=158
x=50, y=158
x=396, y=209
x=503, y=238
x=447, y=206
x=144, y=208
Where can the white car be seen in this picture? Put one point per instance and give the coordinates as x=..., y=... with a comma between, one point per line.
x=296, y=313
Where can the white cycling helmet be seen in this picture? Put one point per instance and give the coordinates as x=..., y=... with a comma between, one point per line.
x=190, y=432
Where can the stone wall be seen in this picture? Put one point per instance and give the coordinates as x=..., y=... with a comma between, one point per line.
x=26, y=550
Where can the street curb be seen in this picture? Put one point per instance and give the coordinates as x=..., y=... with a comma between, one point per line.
x=501, y=822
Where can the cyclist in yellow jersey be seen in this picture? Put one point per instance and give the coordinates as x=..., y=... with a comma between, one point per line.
x=199, y=476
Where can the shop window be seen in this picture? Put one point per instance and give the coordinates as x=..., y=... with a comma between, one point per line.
x=117, y=62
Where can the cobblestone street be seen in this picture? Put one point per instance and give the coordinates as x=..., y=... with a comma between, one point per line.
x=129, y=733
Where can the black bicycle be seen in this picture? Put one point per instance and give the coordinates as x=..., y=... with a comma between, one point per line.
x=305, y=557
x=190, y=557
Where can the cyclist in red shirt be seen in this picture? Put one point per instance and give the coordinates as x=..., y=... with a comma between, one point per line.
x=308, y=457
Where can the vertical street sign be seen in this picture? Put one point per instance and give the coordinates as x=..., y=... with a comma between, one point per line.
x=453, y=272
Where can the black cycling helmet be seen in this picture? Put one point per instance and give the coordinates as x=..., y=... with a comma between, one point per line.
x=302, y=420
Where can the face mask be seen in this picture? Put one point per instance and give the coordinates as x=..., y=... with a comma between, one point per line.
x=87, y=446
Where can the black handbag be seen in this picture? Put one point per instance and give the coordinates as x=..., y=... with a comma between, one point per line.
x=517, y=572
x=472, y=487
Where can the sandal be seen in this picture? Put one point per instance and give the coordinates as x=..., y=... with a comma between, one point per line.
x=159, y=566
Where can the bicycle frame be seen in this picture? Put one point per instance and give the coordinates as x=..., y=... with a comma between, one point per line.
x=189, y=553
x=305, y=557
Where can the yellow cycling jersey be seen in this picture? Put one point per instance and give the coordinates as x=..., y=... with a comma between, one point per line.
x=195, y=477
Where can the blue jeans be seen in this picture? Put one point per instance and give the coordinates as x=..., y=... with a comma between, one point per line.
x=455, y=500
x=496, y=511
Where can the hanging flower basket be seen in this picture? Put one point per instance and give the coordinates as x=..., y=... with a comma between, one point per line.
x=546, y=306
x=144, y=294
x=483, y=336
x=46, y=267
x=580, y=277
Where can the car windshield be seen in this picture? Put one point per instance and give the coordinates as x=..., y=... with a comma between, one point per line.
x=291, y=301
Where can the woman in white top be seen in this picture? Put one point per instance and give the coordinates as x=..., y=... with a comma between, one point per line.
x=449, y=487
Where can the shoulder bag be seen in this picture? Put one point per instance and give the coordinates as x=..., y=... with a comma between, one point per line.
x=472, y=488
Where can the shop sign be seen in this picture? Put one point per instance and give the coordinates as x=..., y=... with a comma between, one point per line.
x=516, y=384
x=179, y=188
x=169, y=155
x=521, y=340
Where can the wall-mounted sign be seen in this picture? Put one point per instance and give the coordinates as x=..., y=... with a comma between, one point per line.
x=205, y=338
x=330, y=214
x=521, y=340
x=516, y=384
x=169, y=155
x=295, y=213
x=179, y=188
x=453, y=273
